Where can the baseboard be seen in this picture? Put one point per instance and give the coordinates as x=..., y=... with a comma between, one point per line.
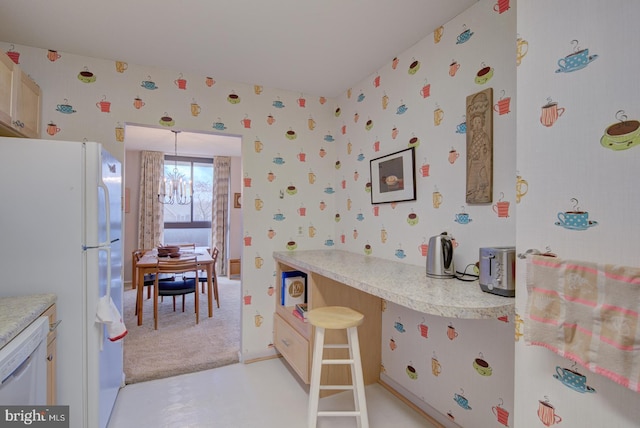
x=413, y=401
x=248, y=358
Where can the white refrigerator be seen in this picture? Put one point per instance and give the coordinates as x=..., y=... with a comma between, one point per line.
x=61, y=232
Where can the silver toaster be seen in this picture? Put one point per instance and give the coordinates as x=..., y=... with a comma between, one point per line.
x=498, y=270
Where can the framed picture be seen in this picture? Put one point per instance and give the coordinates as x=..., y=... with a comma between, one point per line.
x=393, y=177
x=237, y=201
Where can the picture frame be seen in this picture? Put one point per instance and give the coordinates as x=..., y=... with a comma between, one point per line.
x=393, y=177
x=237, y=200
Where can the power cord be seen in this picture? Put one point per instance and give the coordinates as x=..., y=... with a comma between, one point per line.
x=473, y=277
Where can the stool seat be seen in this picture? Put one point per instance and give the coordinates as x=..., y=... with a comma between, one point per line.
x=335, y=317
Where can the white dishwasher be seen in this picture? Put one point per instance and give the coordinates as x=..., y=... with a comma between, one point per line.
x=23, y=366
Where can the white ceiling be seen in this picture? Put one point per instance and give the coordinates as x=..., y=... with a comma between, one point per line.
x=316, y=47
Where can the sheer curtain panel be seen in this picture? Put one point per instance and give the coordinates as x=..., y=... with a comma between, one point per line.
x=151, y=221
x=220, y=209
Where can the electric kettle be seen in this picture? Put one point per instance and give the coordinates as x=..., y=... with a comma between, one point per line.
x=440, y=257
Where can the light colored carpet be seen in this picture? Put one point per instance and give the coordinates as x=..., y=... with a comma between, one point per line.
x=179, y=345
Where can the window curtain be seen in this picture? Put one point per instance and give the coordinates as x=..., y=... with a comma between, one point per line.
x=220, y=209
x=151, y=219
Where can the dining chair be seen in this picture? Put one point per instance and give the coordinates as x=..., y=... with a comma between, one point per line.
x=214, y=276
x=178, y=287
x=149, y=278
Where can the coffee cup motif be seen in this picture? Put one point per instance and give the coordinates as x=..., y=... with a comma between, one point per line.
x=259, y=262
x=180, y=82
x=451, y=332
x=119, y=133
x=411, y=372
x=329, y=243
x=329, y=190
x=311, y=231
x=436, y=367
x=463, y=218
x=383, y=235
x=257, y=89
x=220, y=126
x=258, y=203
x=166, y=120
x=484, y=75
x=550, y=113
x=385, y=101
x=502, y=415
x=322, y=100
x=311, y=124
x=337, y=218
x=52, y=129
x=425, y=91
x=414, y=67
x=292, y=190
x=312, y=177
x=461, y=128
x=322, y=152
x=575, y=220
x=482, y=367
x=104, y=105
x=573, y=379
x=271, y=120
x=464, y=36
x=547, y=413
x=462, y=401
x=501, y=6
x=209, y=81
x=453, y=155
x=412, y=219
x=258, y=146
x=329, y=138
x=437, y=199
x=65, y=108
x=278, y=160
x=14, y=55
x=392, y=344
x=402, y=109
x=400, y=253
x=138, y=103
x=376, y=81
x=438, y=115
x=621, y=135
x=503, y=106
x=453, y=68
x=291, y=245
x=278, y=104
x=258, y=319
x=423, y=329
x=233, y=98
x=54, y=56
x=522, y=47
x=149, y=84
x=291, y=134
x=437, y=34
x=368, y=250
x=399, y=326
x=522, y=187
x=369, y=125
x=302, y=102
x=278, y=217
x=501, y=208
x=360, y=97
x=394, y=63
x=577, y=60
x=86, y=76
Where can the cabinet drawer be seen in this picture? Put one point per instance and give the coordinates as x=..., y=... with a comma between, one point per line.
x=293, y=347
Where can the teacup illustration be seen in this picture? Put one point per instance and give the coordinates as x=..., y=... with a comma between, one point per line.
x=166, y=121
x=461, y=128
x=412, y=373
x=482, y=367
x=414, y=67
x=329, y=138
x=278, y=104
x=368, y=125
x=575, y=61
x=414, y=142
x=361, y=96
x=278, y=160
x=399, y=326
x=65, y=108
x=484, y=75
x=463, y=218
x=412, y=219
x=402, y=109
x=329, y=242
x=360, y=217
x=464, y=36
x=292, y=190
x=621, y=135
x=291, y=245
x=219, y=126
x=148, y=84
x=337, y=112
x=233, y=98
x=400, y=253
x=550, y=113
x=86, y=76
x=575, y=220
x=278, y=217
x=367, y=249
x=573, y=379
x=462, y=401
x=360, y=157
x=291, y=134
x=329, y=190
x=547, y=413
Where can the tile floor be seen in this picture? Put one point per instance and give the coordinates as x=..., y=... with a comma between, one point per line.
x=262, y=395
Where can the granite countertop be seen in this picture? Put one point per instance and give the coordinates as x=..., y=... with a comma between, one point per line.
x=16, y=313
x=400, y=283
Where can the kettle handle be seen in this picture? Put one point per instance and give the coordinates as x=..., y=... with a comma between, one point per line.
x=447, y=252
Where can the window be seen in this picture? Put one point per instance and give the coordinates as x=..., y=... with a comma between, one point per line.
x=192, y=222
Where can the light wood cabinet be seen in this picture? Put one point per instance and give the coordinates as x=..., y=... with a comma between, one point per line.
x=20, y=101
x=51, y=355
x=293, y=338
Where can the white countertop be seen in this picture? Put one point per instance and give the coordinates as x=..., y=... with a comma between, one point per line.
x=400, y=283
x=16, y=313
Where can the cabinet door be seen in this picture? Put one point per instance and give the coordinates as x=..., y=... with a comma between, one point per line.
x=27, y=117
x=7, y=88
x=51, y=373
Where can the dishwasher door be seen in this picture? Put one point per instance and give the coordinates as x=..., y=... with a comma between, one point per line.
x=23, y=366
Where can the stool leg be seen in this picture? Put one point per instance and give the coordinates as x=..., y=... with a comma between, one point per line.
x=316, y=368
x=358, y=378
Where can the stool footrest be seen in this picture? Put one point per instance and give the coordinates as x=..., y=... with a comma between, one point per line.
x=337, y=361
x=336, y=387
x=336, y=346
x=339, y=413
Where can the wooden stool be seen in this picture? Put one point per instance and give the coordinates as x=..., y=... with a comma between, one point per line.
x=337, y=318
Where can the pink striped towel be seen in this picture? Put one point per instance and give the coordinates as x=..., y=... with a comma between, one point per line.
x=587, y=312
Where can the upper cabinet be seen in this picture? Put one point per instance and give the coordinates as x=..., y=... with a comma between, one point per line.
x=20, y=101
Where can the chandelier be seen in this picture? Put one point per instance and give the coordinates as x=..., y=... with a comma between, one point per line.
x=174, y=188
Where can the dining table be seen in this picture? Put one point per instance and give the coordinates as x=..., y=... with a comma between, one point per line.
x=148, y=265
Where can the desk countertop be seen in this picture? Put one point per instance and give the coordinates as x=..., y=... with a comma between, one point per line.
x=16, y=313
x=400, y=283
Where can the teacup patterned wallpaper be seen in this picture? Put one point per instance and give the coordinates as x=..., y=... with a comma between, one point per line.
x=306, y=184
